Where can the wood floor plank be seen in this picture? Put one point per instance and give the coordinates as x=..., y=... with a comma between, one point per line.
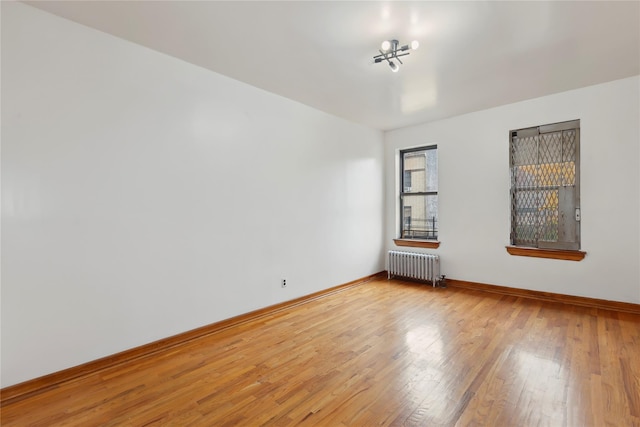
x=385, y=353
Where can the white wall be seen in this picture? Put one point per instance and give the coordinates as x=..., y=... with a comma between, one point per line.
x=474, y=192
x=143, y=196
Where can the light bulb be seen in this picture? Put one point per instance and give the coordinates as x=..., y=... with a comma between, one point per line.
x=394, y=66
x=386, y=45
x=415, y=44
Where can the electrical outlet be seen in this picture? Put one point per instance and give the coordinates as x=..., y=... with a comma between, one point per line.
x=284, y=283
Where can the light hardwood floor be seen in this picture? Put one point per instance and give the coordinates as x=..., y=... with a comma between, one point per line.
x=380, y=353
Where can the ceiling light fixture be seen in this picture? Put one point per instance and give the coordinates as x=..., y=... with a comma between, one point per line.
x=390, y=49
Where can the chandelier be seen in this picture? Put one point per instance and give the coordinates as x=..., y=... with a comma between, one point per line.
x=391, y=49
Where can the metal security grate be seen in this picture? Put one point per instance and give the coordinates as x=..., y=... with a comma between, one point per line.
x=544, y=186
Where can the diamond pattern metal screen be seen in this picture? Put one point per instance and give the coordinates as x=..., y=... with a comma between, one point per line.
x=543, y=165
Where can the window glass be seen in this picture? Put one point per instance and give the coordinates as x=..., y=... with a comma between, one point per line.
x=419, y=195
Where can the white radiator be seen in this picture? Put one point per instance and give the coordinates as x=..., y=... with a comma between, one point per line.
x=414, y=266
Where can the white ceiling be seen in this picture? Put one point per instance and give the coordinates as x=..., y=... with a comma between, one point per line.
x=473, y=55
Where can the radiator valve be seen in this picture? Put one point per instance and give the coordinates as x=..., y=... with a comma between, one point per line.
x=442, y=281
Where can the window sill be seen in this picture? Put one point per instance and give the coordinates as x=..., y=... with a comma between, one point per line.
x=564, y=254
x=430, y=244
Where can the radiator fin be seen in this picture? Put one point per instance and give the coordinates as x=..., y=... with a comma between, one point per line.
x=416, y=266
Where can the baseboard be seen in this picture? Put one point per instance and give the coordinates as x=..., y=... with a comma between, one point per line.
x=625, y=307
x=21, y=391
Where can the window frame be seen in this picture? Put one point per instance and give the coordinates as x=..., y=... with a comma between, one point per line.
x=411, y=241
x=568, y=249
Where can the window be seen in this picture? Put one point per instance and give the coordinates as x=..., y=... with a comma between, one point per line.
x=545, y=186
x=407, y=218
x=407, y=181
x=419, y=193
